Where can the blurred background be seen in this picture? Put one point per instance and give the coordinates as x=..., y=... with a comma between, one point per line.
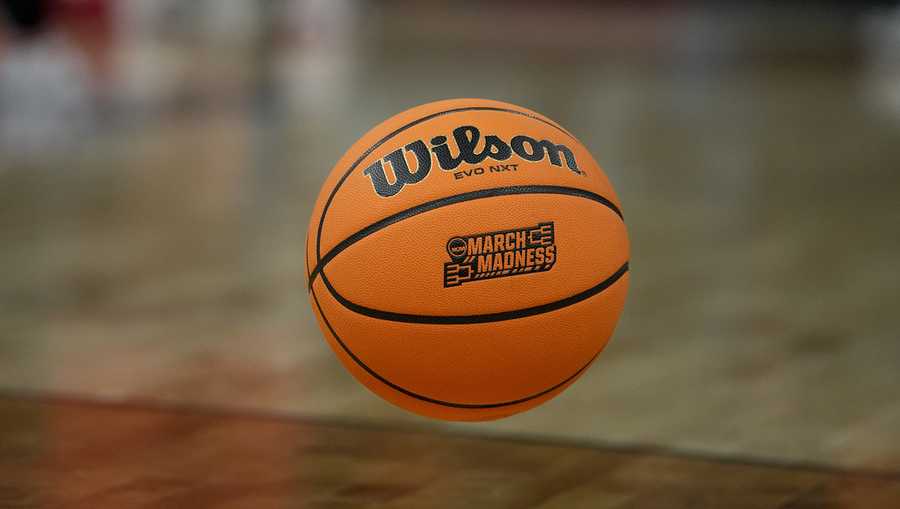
x=159, y=159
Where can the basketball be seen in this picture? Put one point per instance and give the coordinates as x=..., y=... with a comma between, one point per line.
x=467, y=259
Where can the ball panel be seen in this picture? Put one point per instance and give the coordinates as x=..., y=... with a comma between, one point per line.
x=358, y=205
x=492, y=362
x=402, y=267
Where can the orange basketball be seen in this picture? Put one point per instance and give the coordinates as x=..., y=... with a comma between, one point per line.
x=467, y=259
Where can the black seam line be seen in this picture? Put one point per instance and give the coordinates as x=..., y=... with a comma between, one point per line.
x=400, y=130
x=412, y=394
x=483, y=318
x=306, y=258
x=450, y=200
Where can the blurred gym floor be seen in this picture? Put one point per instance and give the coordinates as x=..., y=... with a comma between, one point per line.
x=157, y=171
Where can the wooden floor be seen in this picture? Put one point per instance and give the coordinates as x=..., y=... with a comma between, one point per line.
x=72, y=454
x=160, y=260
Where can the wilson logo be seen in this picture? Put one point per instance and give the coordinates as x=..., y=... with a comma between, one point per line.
x=466, y=139
x=498, y=254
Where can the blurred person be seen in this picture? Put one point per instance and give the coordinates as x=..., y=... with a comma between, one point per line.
x=45, y=101
x=89, y=26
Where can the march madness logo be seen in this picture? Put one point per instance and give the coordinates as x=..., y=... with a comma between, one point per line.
x=499, y=254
